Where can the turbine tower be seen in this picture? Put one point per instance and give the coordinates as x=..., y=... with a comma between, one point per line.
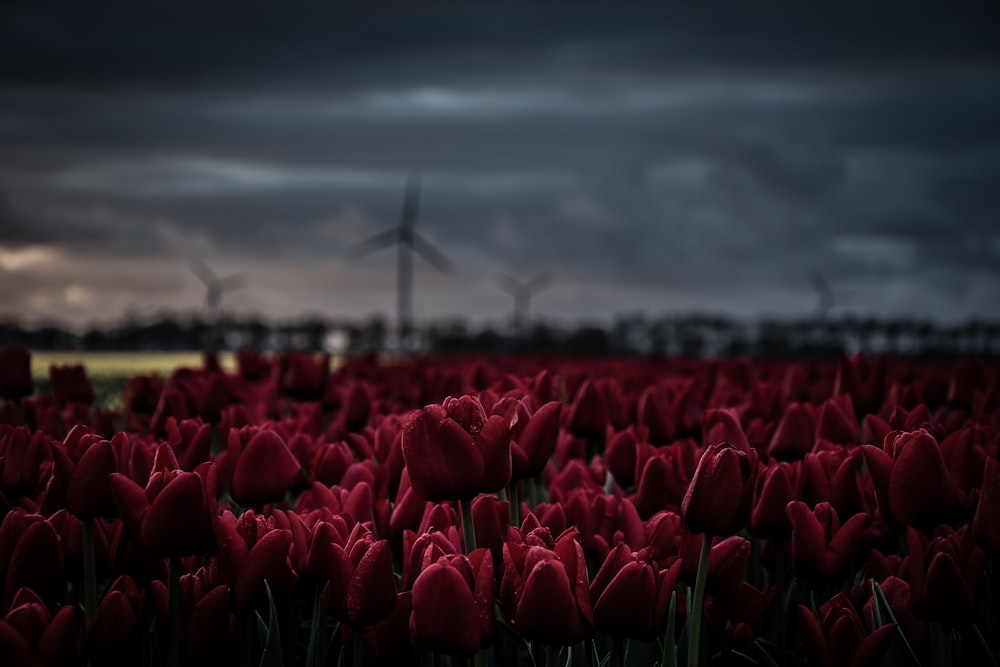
x=215, y=286
x=824, y=293
x=407, y=242
x=522, y=293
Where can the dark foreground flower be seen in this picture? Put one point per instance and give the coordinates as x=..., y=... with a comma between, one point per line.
x=719, y=497
x=454, y=451
x=453, y=603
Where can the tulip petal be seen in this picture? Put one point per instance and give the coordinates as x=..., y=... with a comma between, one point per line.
x=164, y=535
x=371, y=594
x=494, y=445
x=547, y=611
x=626, y=607
x=442, y=458
x=265, y=470
x=444, y=616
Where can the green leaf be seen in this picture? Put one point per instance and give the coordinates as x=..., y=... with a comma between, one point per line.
x=270, y=634
x=514, y=637
x=879, y=622
x=317, y=619
x=765, y=657
x=880, y=600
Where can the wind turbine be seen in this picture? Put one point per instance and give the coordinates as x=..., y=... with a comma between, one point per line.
x=215, y=286
x=407, y=242
x=824, y=293
x=522, y=293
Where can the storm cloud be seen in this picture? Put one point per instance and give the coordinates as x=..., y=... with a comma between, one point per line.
x=661, y=157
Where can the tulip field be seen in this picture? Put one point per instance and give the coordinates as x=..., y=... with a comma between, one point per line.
x=500, y=510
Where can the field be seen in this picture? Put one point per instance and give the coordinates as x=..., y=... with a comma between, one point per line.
x=108, y=370
x=120, y=364
x=499, y=510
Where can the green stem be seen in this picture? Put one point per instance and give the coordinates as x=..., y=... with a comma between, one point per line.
x=317, y=619
x=89, y=571
x=779, y=577
x=174, y=619
x=292, y=637
x=617, y=651
x=670, y=638
x=469, y=540
x=468, y=529
x=940, y=644
x=359, y=647
x=514, y=496
x=246, y=638
x=551, y=655
x=479, y=659
x=983, y=646
x=694, y=619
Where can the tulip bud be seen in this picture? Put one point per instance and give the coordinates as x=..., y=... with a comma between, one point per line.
x=719, y=497
x=453, y=451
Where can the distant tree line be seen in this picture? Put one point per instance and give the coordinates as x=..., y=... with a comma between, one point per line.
x=692, y=335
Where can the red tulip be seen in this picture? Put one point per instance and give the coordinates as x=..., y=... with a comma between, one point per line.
x=70, y=530
x=263, y=468
x=362, y=588
x=89, y=493
x=330, y=462
x=14, y=444
x=206, y=622
x=986, y=521
x=303, y=377
x=151, y=514
x=453, y=451
x=546, y=591
x=629, y=594
x=30, y=555
x=269, y=560
x=654, y=415
x=588, y=416
x=111, y=637
x=620, y=455
x=731, y=597
x=822, y=548
x=491, y=518
x=452, y=602
x=841, y=639
x=252, y=365
x=793, y=436
x=15, y=379
x=945, y=575
x=719, y=497
x=836, y=421
x=662, y=477
x=70, y=384
x=723, y=425
x=31, y=635
x=830, y=474
x=773, y=491
x=191, y=440
x=911, y=480
x=535, y=441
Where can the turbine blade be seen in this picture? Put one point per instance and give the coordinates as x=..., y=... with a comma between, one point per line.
x=509, y=284
x=372, y=243
x=232, y=283
x=824, y=292
x=202, y=271
x=433, y=256
x=411, y=201
x=538, y=283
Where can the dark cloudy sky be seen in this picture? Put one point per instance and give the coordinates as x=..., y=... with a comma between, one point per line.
x=661, y=157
